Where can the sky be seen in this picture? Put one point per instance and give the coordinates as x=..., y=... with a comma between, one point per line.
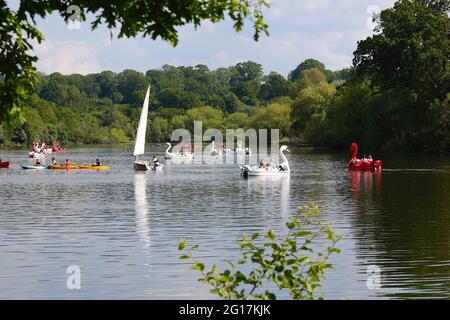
x=327, y=30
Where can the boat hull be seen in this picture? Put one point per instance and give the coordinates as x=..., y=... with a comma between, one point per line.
x=268, y=173
x=55, y=167
x=368, y=166
x=24, y=167
x=141, y=166
x=93, y=167
x=247, y=171
x=4, y=164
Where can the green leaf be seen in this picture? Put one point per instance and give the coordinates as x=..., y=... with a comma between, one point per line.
x=182, y=245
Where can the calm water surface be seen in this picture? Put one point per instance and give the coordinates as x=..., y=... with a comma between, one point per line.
x=123, y=228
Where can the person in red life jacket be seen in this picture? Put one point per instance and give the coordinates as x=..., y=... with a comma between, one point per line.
x=68, y=163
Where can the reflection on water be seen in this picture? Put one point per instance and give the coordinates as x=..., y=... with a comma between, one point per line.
x=142, y=212
x=123, y=228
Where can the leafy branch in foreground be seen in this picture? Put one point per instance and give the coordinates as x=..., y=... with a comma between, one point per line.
x=289, y=262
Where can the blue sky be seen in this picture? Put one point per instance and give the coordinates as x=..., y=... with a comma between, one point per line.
x=327, y=30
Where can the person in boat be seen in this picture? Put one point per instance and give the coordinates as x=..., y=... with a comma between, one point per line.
x=38, y=163
x=262, y=165
x=97, y=163
x=68, y=163
x=156, y=162
x=54, y=162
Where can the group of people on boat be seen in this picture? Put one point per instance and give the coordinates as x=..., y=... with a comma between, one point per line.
x=66, y=163
x=365, y=164
x=364, y=160
x=270, y=166
x=42, y=147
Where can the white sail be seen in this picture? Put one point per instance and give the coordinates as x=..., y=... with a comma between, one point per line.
x=139, y=147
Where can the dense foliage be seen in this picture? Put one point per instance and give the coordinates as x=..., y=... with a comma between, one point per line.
x=105, y=107
x=295, y=262
x=398, y=98
x=152, y=18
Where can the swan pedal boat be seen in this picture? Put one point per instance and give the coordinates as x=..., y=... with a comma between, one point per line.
x=4, y=164
x=36, y=155
x=356, y=164
x=281, y=169
x=239, y=150
x=256, y=171
x=180, y=156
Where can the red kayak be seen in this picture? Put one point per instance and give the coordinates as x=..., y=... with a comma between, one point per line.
x=363, y=164
x=4, y=164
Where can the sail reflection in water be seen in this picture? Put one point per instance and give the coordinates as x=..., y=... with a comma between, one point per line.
x=142, y=211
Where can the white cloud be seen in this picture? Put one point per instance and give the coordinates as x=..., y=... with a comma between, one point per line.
x=67, y=57
x=299, y=29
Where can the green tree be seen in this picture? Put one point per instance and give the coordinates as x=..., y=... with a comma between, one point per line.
x=237, y=120
x=312, y=98
x=306, y=65
x=411, y=49
x=178, y=98
x=275, y=86
x=408, y=59
x=245, y=81
x=274, y=116
x=210, y=117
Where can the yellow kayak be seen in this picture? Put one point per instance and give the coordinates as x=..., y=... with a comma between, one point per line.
x=56, y=167
x=94, y=167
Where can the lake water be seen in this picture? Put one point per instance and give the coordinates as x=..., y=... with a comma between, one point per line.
x=122, y=229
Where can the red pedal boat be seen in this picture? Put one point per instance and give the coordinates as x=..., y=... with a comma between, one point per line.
x=4, y=164
x=59, y=150
x=356, y=164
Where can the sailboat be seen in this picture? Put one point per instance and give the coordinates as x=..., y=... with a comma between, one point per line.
x=139, y=147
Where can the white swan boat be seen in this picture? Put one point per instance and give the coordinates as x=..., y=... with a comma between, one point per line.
x=272, y=169
x=177, y=156
x=239, y=150
x=139, y=147
x=38, y=153
x=214, y=151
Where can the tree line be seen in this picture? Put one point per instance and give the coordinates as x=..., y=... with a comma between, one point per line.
x=394, y=97
x=105, y=107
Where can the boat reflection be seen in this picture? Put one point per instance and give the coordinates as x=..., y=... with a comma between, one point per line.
x=142, y=211
x=365, y=182
x=269, y=186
